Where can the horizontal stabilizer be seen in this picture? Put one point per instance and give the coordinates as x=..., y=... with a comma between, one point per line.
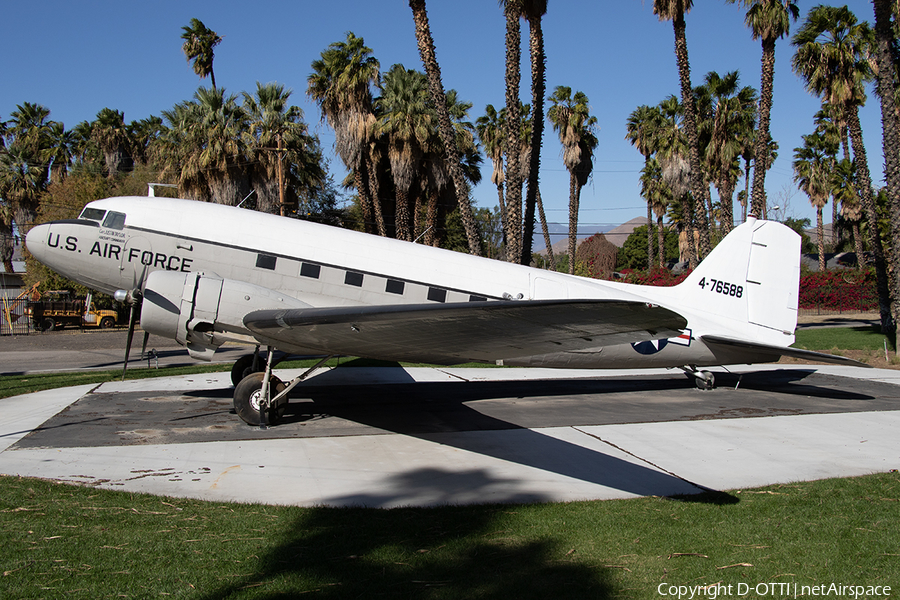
x=761, y=351
x=461, y=332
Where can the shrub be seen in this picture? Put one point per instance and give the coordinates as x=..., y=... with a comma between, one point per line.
x=839, y=290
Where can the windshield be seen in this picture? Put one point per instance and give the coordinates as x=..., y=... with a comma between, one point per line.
x=114, y=220
x=92, y=214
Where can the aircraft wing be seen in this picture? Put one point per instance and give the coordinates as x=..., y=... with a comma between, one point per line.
x=472, y=331
x=774, y=352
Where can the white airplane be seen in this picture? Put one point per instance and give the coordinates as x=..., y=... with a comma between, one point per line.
x=207, y=274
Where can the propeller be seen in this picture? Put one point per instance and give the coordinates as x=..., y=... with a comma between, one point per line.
x=133, y=298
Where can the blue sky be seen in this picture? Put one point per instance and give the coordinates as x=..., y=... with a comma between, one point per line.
x=79, y=57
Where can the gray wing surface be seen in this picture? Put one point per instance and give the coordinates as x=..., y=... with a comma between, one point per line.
x=462, y=332
x=766, y=353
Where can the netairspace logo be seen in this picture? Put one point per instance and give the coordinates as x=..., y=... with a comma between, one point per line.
x=774, y=590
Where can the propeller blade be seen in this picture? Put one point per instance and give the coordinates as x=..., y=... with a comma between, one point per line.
x=144, y=345
x=132, y=321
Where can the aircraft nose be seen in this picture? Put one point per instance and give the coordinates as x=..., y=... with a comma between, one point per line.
x=36, y=241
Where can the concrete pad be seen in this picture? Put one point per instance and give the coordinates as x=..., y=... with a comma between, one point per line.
x=735, y=453
x=23, y=414
x=513, y=464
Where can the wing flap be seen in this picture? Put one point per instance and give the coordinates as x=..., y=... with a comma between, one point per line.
x=473, y=331
x=768, y=353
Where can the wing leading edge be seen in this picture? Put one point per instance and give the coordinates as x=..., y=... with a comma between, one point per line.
x=473, y=331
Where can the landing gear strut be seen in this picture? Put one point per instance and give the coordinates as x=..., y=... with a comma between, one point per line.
x=261, y=398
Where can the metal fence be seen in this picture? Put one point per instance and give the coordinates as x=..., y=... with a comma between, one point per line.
x=13, y=320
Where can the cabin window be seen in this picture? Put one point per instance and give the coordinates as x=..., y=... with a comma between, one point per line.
x=437, y=294
x=309, y=270
x=264, y=261
x=114, y=220
x=354, y=279
x=477, y=299
x=394, y=287
x=92, y=214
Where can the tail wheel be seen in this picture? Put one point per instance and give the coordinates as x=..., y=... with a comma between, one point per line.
x=248, y=395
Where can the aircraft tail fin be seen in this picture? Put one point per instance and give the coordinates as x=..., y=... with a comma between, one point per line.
x=750, y=280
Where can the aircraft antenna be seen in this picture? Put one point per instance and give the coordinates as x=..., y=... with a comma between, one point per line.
x=246, y=198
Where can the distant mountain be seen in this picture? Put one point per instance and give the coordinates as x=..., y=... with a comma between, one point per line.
x=617, y=234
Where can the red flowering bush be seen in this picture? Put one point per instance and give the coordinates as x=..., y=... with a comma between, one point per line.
x=843, y=291
x=660, y=277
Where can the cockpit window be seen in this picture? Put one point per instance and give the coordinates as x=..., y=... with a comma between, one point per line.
x=92, y=214
x=114, y=220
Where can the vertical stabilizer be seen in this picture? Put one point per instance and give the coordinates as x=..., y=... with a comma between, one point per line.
x=750, y=281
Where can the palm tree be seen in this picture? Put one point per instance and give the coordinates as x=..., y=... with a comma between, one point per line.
x=571, y=118
x=199, y=42
x=512, y=10
x=641, y=128
x=658, y=196
x=435, y=178
x=406, y=121
x=844, y=190
x=341, y=83
x=885, y=55
x=491, y=128
x=206, y=147
x=61, y=151
x=672, y=152
x=533, y=11
x=769, y=20
x=445, y=126
x=111, y=135
x=734, y=111
x=674, y=10
x=812, y=172
x=831, y=57
x=278, y=140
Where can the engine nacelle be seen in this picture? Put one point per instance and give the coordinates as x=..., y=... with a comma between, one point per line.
x=191, y=307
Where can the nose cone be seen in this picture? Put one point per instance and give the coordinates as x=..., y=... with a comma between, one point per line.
x=36, y=242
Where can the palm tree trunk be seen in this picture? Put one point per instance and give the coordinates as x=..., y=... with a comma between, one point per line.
x=431, y=219
x=374, y=194
x=887, y=92
x=649, y=237
x=536, y=43
x=726, y=203
x=690, y=128
x=573, y=220
x=868, y=202
x=513, y=170
x=661, y=242
x=365, y=202
x=820, y=233
x=439, y=100
x=402, y=215
x=687, y=225
x=761, y=153
x=546, y=230
x=858, y=245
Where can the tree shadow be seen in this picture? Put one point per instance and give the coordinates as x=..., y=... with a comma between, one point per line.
x=456, y=552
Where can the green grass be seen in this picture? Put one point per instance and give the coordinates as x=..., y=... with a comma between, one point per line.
x=63, y=541
x=868, y=337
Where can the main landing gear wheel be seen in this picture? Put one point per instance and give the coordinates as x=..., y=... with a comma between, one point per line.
x=244, y=366
x=704, y=380
x=248, y=394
